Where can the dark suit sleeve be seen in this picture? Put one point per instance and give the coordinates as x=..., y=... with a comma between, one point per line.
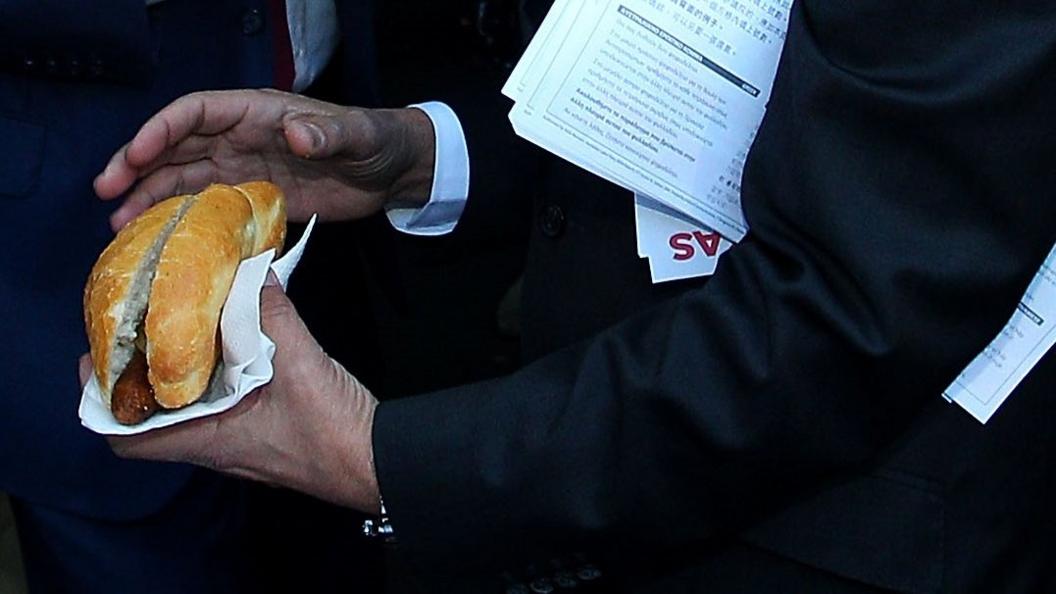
x=900, y=196
x=100, y=41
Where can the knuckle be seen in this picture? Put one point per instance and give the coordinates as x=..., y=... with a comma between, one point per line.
x=210, y=451
x=122, y=449
x=213, y=460
x=192, y=99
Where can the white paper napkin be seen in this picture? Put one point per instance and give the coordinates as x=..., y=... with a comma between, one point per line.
x=247, y=351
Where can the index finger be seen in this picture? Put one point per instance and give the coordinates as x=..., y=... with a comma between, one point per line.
x=204, y=113
x=178, y=443
x=203, y=441
x=84, y=369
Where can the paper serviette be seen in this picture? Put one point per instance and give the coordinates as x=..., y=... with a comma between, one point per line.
x=247, y=351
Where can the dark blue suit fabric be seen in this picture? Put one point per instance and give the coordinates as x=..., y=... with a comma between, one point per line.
x=76, y=81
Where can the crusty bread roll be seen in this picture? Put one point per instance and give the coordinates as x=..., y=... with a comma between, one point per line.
x=162, y=282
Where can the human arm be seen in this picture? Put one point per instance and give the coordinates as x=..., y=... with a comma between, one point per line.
x=340, y=162
x=894, y=196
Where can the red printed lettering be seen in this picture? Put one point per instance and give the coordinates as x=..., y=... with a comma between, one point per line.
x=709, y=242
x=682, y=245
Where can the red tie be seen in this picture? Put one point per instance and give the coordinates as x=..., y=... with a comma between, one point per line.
x=284, y=72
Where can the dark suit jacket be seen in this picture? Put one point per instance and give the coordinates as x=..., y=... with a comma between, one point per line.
x=900, y=197
x=77, y=80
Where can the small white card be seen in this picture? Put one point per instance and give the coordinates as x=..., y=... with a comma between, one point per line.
x=989, y=379
x=247, y=351
x=676, y=246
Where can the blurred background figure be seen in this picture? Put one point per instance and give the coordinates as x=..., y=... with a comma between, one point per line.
x=76, y=80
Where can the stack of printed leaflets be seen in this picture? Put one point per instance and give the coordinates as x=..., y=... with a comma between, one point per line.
x=662, y=97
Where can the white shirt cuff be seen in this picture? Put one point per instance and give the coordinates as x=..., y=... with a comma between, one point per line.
x=450, y=178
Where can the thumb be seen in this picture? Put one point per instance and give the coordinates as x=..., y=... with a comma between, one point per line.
x=323, y=136
x=278, y=316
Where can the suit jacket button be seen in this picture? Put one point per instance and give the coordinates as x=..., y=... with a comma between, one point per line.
x=75, y=68
x=552, y=221
x=252, y=22
x=588, y=573
x=541, y=586
x=51, y=66
x=565, y=579
x=97, y=68
x=29, y=64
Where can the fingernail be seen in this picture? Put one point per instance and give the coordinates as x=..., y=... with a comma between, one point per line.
x=316, y=134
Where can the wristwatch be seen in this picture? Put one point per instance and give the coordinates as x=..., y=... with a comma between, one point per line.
x=380, y=527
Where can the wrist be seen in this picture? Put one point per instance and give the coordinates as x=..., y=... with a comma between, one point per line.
x=415, y=185
x=354, y=454
x=368, y=474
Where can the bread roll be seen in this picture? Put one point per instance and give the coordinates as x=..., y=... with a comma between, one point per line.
x=166, y=276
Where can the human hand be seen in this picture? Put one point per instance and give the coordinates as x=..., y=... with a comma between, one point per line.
x=309, y=429
x=340, y=162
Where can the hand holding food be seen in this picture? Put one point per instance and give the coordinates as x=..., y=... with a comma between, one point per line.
x=152, y=303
